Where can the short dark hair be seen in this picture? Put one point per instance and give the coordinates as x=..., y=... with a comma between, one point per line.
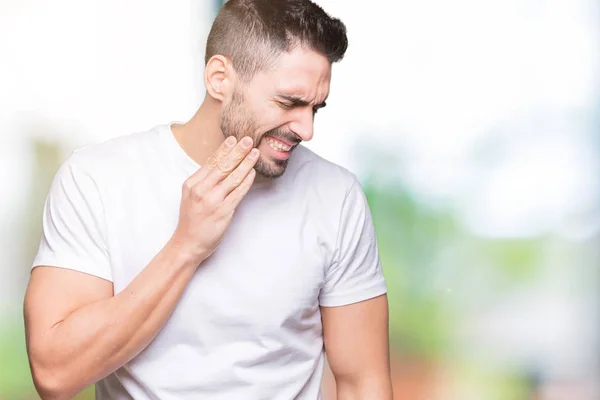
x=253, y=33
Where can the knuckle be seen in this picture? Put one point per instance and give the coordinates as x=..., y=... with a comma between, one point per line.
x=211, y=201
x=196, y=192
x=211, y=162
x=219, y=155
x=187, y=186
x=239, y=153
x=222, y=211
x=236, y=178
x=225, y=165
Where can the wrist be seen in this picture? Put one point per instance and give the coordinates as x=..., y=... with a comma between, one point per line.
x=183, y=253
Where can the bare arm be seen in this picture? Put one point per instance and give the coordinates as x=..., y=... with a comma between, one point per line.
x=357, y=347
x=78, y=332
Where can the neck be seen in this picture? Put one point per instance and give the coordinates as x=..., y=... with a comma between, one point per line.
x=201, y=135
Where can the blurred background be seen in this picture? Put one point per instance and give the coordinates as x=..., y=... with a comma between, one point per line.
x=474, y=126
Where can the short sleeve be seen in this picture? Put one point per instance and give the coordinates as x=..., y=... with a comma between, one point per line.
x=355, y=273
x=73, y=224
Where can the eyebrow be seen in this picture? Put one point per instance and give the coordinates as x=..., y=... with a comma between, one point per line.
x=298, y=101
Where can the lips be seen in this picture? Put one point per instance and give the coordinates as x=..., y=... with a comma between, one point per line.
x=277, y=144
x=277, y=148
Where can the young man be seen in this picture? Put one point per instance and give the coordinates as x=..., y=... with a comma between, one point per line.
x=183, y=263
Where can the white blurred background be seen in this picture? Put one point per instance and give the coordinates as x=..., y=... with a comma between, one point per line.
x=485, y=113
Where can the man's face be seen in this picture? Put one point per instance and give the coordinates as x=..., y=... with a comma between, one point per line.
x=277, y=107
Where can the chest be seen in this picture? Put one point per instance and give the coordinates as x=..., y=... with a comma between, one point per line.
x=266, y=274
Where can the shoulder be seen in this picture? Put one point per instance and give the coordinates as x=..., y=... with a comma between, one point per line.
x=118, y=149
x=114, y=156
x=311, y=170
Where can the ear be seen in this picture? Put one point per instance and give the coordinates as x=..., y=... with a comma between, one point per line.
x=217, y=77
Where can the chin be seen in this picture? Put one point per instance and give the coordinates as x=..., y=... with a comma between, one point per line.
x=270, y=169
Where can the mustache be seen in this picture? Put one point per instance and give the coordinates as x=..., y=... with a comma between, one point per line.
x=284, y=135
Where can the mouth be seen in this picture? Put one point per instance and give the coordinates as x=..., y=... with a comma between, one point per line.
x=279, y=148
x=278, y=144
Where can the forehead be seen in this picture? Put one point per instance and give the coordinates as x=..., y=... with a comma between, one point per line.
x=300, y=72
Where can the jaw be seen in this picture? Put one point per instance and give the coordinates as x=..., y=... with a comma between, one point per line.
x=273, y=149
x=269, y=168
x=271, y=163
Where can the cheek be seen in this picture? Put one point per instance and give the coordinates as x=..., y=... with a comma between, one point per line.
x=262, y=127
x=258, y=121
x=275, y=118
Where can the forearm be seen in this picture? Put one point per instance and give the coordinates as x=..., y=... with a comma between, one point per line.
x=379, y=388
x=97, y=339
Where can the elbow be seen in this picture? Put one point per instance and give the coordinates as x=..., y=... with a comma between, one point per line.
x=364, y=388
x=49, y=382
x=48, y=385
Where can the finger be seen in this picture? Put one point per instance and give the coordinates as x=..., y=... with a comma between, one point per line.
x=236, y=178
x=233, y=200
x=211, y=162
x=225, y=165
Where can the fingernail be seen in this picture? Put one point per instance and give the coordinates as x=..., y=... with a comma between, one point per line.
x=230, y=141
x=247, y=141
x=254, y=153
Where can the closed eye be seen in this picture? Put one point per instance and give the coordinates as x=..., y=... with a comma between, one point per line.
x=285, y=106
x=295, y=102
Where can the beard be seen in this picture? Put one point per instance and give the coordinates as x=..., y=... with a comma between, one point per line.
x=237, y=121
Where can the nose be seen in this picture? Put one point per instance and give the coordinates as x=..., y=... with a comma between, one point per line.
x=303, y=125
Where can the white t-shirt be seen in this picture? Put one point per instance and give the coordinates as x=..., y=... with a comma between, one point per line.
x=248, y=325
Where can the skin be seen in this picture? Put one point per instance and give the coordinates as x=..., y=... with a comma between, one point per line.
x=73, y=320
x=281, y=102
